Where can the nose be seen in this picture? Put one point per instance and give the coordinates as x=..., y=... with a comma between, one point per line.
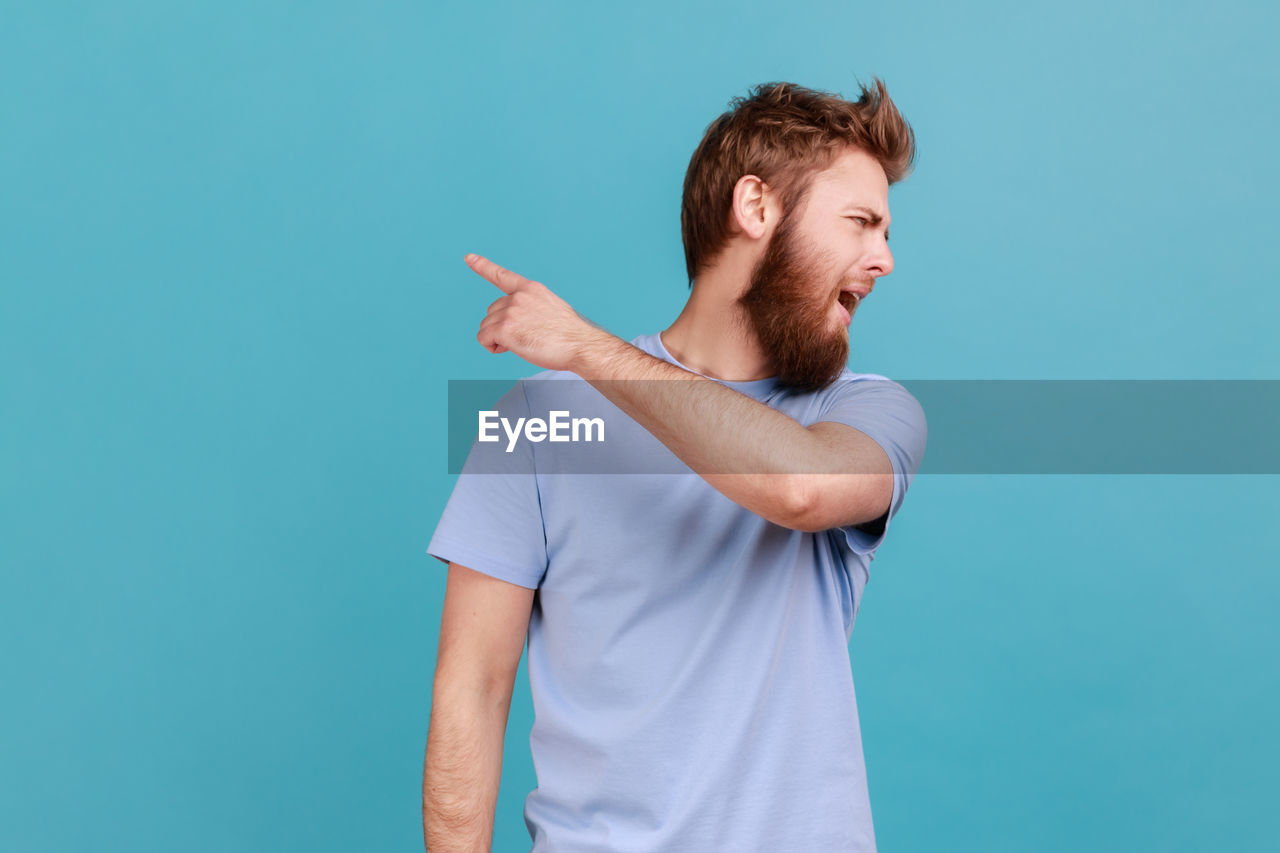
x=880, y=261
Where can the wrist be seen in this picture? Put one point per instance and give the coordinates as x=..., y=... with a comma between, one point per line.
x=593, y=351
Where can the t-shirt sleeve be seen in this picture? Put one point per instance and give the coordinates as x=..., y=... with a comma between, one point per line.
x=493, y=520
x=894, y=419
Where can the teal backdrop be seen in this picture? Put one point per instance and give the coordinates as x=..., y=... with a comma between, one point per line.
x=231, y=240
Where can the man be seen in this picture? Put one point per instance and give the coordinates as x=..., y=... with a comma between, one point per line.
x=688, y=634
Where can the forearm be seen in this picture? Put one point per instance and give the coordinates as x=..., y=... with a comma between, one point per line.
x=756, y=456
x=753, y=454
x=463, y=767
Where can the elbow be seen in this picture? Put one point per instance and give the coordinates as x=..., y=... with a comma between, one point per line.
x=814, y=504
x=802, y=507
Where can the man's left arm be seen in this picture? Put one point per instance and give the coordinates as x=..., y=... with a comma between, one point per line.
x=805, y=478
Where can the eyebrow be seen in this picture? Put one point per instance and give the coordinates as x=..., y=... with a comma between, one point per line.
x=874, y=217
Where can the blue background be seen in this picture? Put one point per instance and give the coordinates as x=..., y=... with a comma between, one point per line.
x=231, y=240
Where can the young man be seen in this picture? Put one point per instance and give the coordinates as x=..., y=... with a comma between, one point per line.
x=688, y=633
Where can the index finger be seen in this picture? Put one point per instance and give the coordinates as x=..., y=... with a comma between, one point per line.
x=504, y=279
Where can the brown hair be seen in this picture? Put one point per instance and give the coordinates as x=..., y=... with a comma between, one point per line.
x=784, y=134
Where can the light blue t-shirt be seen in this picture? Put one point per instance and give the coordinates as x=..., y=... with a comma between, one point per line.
x=688, y=660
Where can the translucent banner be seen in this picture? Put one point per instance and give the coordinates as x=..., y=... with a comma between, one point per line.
x=570, y=426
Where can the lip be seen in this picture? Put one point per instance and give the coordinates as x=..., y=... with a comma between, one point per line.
x=858, y=293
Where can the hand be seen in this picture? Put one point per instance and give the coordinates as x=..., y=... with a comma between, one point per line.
x=531, y=321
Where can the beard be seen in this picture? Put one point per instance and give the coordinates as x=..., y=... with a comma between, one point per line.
x=787, y=308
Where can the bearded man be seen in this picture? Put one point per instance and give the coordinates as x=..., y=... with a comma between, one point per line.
x=688, y=624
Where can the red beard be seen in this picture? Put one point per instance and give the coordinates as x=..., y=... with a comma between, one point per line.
x=786, y=307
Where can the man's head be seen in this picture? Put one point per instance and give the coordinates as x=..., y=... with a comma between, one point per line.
x=816, y=161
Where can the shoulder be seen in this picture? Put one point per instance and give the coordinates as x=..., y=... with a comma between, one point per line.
x=872, y=402
x=867, y=386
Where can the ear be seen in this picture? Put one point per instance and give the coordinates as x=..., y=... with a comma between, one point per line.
x=755, y=207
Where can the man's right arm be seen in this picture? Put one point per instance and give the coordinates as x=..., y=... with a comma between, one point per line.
x=482, y=634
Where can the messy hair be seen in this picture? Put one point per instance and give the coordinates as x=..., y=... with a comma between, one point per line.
x=784, y=134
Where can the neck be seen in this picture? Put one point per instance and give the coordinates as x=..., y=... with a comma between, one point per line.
x=713, y=335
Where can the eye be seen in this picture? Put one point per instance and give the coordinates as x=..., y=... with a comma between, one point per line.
x=861, y=219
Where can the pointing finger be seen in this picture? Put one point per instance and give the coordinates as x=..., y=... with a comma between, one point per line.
x=504, y=279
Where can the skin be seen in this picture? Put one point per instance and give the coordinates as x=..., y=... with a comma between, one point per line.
x=807, y=478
